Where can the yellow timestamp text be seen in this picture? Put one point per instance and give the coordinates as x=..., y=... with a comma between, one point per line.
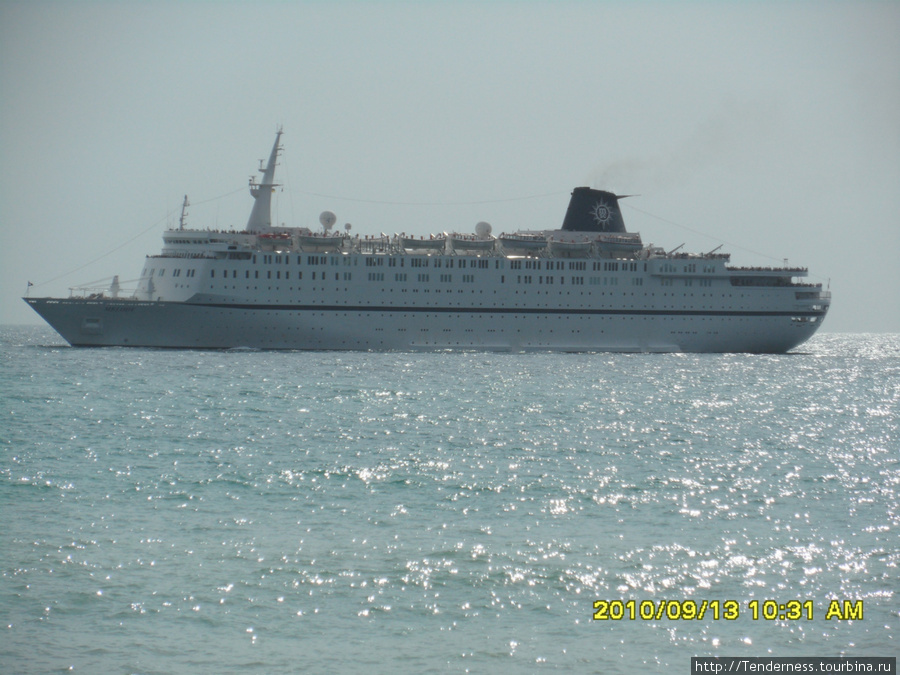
x=729, y=610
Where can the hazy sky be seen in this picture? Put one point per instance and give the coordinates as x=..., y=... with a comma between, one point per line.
x=773, y=127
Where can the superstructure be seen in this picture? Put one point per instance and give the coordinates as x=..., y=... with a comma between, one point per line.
x=588, y=285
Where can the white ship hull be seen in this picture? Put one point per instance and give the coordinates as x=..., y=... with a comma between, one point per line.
x=108, y=322
x=264, y=288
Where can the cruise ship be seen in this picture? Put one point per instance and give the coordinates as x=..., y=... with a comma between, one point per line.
x=589, y=285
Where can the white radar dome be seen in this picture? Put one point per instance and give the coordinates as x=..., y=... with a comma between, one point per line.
x=483, y=229
x=328, y=219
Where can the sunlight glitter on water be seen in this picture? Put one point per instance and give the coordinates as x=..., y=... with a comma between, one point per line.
x=450, y=504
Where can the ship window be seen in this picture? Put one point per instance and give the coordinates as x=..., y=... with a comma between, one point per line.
x=269, y=274
x=212, y=273
x=256, y=274
x=247, y=274
x=162, y=273
x=277, y=275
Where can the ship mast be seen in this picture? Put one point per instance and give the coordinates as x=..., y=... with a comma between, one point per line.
x=261, y=215
x=183, y=219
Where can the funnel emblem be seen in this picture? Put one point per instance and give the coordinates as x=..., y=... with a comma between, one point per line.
x=601, y=213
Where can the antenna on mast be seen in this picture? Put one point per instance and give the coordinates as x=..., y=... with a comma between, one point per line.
x=183, y=213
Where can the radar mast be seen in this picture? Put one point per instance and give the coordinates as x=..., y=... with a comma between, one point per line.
x=261, y=215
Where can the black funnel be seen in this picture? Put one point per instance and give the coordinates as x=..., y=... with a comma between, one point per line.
x=593, y=211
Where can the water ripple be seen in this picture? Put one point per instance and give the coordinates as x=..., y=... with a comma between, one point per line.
x=470, y=507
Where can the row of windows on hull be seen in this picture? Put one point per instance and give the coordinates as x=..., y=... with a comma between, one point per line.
x=442, y=278
x=458, y=262
x=449, y=263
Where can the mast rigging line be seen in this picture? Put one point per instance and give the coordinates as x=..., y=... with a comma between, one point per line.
x=701, y=233
x=723, y=241
x=215, y=199
x=108, y=253
x=468, y=203
x=128, y=241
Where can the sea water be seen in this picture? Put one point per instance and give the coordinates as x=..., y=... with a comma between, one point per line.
x=276, y=512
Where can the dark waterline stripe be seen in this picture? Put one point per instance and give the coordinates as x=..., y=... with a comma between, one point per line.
x=507, y=310
x=435, y=310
